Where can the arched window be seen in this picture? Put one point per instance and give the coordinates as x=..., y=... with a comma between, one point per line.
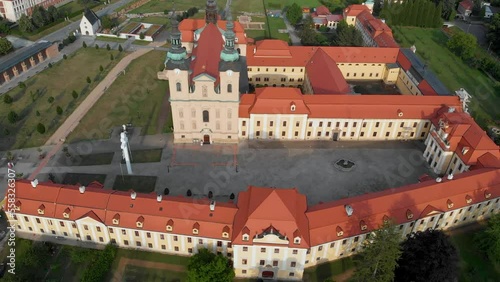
x=205, y=116
x=230, y=88
x=178, y=86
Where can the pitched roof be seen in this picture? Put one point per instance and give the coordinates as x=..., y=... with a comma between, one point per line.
x=277, y=101
x=419, y=199
x=325, y=76
x=189, y=26
x=354, y=10
x=322, y=11
x=91, y=16
x=12, y=59
x=263, y=209
x=207, y=54
x=467, y=4
x=334, y=18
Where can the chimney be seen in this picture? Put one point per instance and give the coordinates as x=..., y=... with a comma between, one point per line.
x=439, y=179
x=212, y=205
x=158, y=198
x=34, y=183
x=450, y=176
x=82, y=189
x=133, y=195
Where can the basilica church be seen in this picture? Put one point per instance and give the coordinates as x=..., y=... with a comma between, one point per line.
x=206, y=83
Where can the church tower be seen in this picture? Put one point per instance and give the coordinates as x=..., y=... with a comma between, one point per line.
x=211, y=12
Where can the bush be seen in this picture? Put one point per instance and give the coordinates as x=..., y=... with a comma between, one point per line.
x=72, y=38
x=40, y=128
x=101, y=68
x=22, y=85
x=65, y=57
x=84, y=45
x=59, y=110
x=96, y=46
x=108, y=47
x=6, y=132
x=74, y=94
x=37, y=113
x=188, y=193
x=89, y=80
x=12, y=117
x=100, y=265
x=120, y=48
x=111, y=57
x=7, y=99
x=141, y=35
x=50, y=99
x=50, y=65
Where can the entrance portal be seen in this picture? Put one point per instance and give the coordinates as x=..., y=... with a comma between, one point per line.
x=206, y=139
x=335, y=136
x=267, y=274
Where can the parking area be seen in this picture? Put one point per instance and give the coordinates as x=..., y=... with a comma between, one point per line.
x=307, y=166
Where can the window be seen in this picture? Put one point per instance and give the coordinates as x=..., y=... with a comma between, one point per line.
x=320, y=124
x=244, y=271
x=308, y=133
x=426, y=125
x=332, y=245
x=320, y=248
x=262, y=250
x=297, y=133
x=89, y=238
x=293, y=264
x=244, y=123
x=402, y=124
x=100, y=239
x=319, y=133
x=162, y=237
x=414, y=124
x=38, y=220
x=354, y=124
x=362, y=134
x=111, y=230
x=271, y=123
x=283, y=133
x=229, y=88
x=245, y=249
x=295, y=252
x=219, y=243
x=364, y=124
x=125, y=242
x=257, y=133
x=41, y=230
x=178, y=86
x=275, y=263
x=205, y=116
x=124, y=232
x=163, y=247
x=352, y=134
x=85, y=227
x=377, y=124
x=244, y=261
x=270, y=134
x=276, y=251
x=262, y=262
x=189, y=239
x=176, y=238
x=190, y=250
x=297, y=124
x=258, y=123
x=374, y=134
x=387, y=134
x=284, y=123
x=176, y=249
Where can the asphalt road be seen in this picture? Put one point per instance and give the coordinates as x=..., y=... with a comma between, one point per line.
x=475, y=28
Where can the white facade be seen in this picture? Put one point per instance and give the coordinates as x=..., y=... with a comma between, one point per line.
x=87, y=28
x=14, y=9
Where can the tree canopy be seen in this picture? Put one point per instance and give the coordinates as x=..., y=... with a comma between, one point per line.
x=421, y=13
x=493, y=34
x=378, y=259
x=347, y=35
x=25, y=24
x=206, y=266
x=5, y=46
x=489, y=239
x=434, y=254
x=294, y=14
x=462, y=44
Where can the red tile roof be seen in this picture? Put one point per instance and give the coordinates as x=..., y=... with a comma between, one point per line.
x=418, y=199
x=322, y=11
x=277, y=100
x=334, y=18
x=467, y=4
x=187, y=28
x=385, y=39
x=355, y=10
x=262, y=208
x=207, y=53
x=380, y=32
x=325, y=76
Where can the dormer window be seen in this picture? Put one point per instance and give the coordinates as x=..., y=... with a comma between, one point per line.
x=116, y=219
x=449, y=203
x=66, y=213
x=17, y=206
x=468, y=199
x=196, y=228
x=140, y=222
x=245, y=237
x=465, y=150
x=292, y=107
x=363, y=225
x=340, y=232
x=385, y=219
x=225, y=232
x=296, y=240
x=487, y=194
x=41, y=209
x=170, y=225
x=409, y=214
x=400, y=113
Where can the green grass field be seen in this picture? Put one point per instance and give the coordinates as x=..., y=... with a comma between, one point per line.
x=280, y=4
x=137, y=273
x=32, y=105
x=452, y=71
x=474, y=265
x=276, y=24
x=134, y=97
x=146, y=156
x=328, y=270
x=157, y=6
x=111, y=39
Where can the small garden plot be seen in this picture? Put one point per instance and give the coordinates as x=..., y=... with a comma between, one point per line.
x=147, y=156
x=140, y=184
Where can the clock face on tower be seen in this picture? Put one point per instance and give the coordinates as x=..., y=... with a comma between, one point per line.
x=229, y=72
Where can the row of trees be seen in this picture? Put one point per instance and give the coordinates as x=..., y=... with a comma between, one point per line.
x=345, y=35
x=421, y=13
x=40, y=17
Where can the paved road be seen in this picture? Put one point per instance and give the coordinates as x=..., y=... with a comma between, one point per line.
x=292, y=32
x=475, y=28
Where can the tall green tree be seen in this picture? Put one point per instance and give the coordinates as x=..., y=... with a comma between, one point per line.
x=206, y=266
x=294, y=14
x=54, y=13
x=434, y=254
x=307, y=35
x=39, y=16
x=462, y=44
x=5, y=46
x=377, y=7
x=25, y=24
x=347, y=35
x=448, y=8
x=378, y=260
x=493, y=34
x=489, y=239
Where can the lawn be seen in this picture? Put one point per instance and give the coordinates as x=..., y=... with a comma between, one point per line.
x=84, y=160
x=135, y=97
x=452, y=71
x=83, y=178
x=147, y=156
x=475, y=267
x=136, y=273
x=328, y=270
x=152, y=20
x=155, y=6
x=280, y=4
x=256, y=34
x=275, y=24
x=138, y=183
x=141, y=42
x=111, y=39
x=32, y=103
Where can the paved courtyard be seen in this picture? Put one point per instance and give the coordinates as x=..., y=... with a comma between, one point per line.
x=225, y=169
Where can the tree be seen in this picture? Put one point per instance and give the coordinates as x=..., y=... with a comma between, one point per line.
x=294, y=14
x=5, y=46
x=493, y=34
x=4, y=27
x=22, y=85
x=206, y=266
x=377, y=8
x=96, y=46
x=433, y=252
x=347, y=35
x=89, y=80
x=59, y=110
x=100, y=264
x=65, y=56
x=448, y=9
x=142, y=36
x=379, y=256
x=39, y=16
x=50, y=99
x=462, y=44
x=101, y=68
x=111, y=57
x=84, y=45
x=13, y=117
x=476, y=8
x=188, y=193
x=120, y=48
x=54, y=13
x=489, y=239
x=40, y=128
x=307, y=35
x=74, y=94
x=108, y=47
x=107, y=22
x=37, y=113
x=25, y=24
x=7, y=99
